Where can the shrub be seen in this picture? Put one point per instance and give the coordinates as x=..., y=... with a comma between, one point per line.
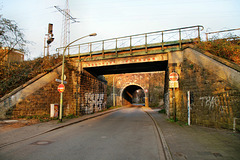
x=16, y=74
x=227, y=48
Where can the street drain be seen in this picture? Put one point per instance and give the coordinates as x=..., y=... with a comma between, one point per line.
x=42, y=143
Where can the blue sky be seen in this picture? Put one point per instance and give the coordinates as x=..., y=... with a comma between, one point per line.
x=114, y=18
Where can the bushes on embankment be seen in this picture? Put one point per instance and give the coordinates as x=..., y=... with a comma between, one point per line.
x=227, y=48
x=15, y=74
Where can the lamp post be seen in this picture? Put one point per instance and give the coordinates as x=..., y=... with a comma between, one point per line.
x=63, y=61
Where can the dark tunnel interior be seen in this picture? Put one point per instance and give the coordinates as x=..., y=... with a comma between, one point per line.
x=129, y=95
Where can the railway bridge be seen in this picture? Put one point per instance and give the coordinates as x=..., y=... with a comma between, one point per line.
x=208, y=84
x=148, y=52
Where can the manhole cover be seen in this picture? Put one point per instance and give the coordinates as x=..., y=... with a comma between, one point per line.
x=42, y=143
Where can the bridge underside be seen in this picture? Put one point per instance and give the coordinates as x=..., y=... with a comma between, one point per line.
x=128, y=68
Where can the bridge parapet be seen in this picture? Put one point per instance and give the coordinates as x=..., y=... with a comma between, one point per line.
x=161, y=39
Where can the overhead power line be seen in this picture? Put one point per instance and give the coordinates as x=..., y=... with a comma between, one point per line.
x=65, y=38
x=66, y=14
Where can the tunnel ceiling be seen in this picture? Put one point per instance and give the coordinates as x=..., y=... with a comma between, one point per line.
x=128, y=68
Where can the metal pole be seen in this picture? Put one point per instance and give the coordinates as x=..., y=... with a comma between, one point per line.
x=199, y=38
x=174, y=106
x=234, y=124
x=48, y=50
x=103, y=49
x=44, y=46
x=131, y=45
x=162, y=42
x=146, y=43
x=188, y=106
x=180, y=39
x=114, y=98
x=61, y=95
x=116, y=48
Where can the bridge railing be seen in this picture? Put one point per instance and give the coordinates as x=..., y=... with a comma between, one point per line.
x=234, y=33
x=162, y=38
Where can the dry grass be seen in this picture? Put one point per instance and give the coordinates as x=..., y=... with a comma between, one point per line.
x=17, y=73
x=227, y=48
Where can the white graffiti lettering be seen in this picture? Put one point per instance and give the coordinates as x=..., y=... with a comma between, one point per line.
x=209, y=101
x=94, y=102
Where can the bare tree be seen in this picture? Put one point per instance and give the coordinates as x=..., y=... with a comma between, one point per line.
x=11, y=37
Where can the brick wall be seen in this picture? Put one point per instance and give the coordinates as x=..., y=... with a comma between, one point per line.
x=153, y=82
x=38, y=103
x=92, y=94
x=83, y=94
x=215, y=100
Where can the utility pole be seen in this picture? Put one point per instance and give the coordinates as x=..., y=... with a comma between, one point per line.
x=65, y=38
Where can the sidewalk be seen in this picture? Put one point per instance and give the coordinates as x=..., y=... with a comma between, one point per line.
x=197, y=142
x=19, y=134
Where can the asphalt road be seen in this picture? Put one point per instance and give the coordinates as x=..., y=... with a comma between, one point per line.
x=125, y=134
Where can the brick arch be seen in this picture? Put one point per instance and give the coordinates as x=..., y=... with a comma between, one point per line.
x=130, y=84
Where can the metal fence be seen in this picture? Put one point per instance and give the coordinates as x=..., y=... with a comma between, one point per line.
x=230, y=33
x=160, y=38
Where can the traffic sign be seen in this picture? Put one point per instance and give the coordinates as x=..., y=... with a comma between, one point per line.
x=60, y=81
x=173, y=76
x=173, y=84
x=61, y=88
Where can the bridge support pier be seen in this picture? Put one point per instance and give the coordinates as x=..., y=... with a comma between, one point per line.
x=175, y=60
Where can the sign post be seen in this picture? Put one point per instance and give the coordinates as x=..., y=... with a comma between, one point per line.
x=61, y=89
x=173, y=83
x=188, y=106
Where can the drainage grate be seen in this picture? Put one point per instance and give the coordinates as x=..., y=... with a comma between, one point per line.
x=42, y=143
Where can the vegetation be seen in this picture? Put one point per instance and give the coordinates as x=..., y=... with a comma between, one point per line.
x=112, y=107
x=227, y=48
x=45, y=117
x=41, y=118
x=11, y=37
x=21, y=72
x=162, y=111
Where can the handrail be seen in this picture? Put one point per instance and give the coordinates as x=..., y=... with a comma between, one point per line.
x=220, y=32
x=161, y=35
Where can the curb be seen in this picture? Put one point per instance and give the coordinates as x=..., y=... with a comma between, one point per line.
x=64, y=125
x=166, y=149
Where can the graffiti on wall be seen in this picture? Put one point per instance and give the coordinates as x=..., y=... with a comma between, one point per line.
x=209, y=101
x=212, y=102
x=94, y=102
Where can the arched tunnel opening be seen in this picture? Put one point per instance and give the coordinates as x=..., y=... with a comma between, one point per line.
x=133, y=94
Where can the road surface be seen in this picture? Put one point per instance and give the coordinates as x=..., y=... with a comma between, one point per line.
x=125, y=134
